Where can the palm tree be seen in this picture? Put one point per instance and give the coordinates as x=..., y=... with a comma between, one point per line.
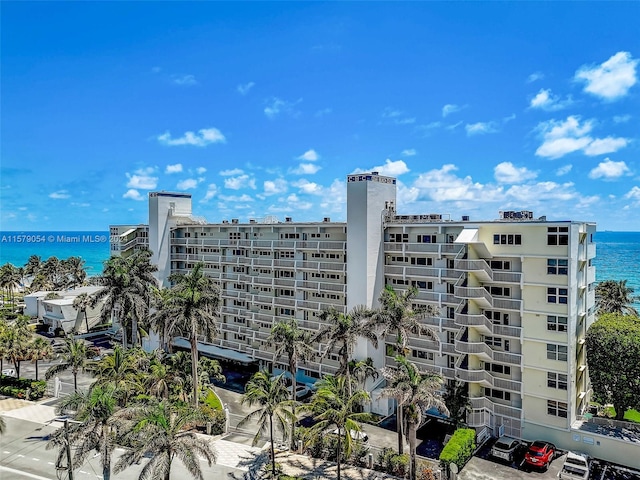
x=33, y=266
x=270, y=395
x=161, y=320
x=75, y=271
x=16, y=339
x=416, y=392
x=161, y=378
x=194, y=304
x=335, y=405
x=158, y=431
x=121, y=369
x=295, y=342
x=615, y=297
x=398, y=316
x=180, y=365
x=10, y=279
x=82, y=303
x=363, y=370
x=39, y=349
x=342, y=334
x=126, y=283
x=75, y=356
x=94, y=428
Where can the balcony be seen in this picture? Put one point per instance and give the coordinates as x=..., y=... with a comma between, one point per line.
x=507, y=277
x=477, y=267
x=496, y=408
x=478, y=321
x=477, y=294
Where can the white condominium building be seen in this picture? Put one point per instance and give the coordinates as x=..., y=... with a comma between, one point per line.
x=515, y=295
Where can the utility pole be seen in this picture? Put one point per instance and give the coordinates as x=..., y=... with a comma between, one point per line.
x=68, y=448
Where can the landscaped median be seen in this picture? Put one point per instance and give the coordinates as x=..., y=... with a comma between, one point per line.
x=459, y=449
x=22, y=388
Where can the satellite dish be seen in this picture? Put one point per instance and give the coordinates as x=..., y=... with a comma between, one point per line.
x=453, y=467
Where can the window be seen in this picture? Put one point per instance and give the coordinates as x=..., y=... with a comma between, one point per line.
x=421, y=284
x=507, y=239
x=556, y=324
x=492, y=392
x=426, y=239
x=557, y=352
x=500, y=265
x=557, y=295
x=421, y=261
x=493, y=341
x=499, y=291
x=557, y=380
x=557, y=235
x=421, y=354
x=498, y=318
x=557, y=266
x=497, y=368
x=285, y=292
x=399, y=237
x=557, y=409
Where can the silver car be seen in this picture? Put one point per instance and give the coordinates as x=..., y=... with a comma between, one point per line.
x=505, y=448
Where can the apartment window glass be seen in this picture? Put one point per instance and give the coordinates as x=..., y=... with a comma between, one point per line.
x=499, y=291
x=557, y=352
x=557, y=409
x=507, y=239
x=557, y=380
x=421, y=354
x=492, y=392
x=557, y=235
x=426, y=239
x=500, y=265
x=493, y=341
x=556, y=324
x=557, y=266
x=557, y=295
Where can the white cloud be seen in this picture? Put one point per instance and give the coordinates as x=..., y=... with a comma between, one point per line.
x=480, y=128
x=397, y=117
x=443, y=185
x=204, y=137
x=242, y=181
x=243, y=89
x=184, y=80
x=133, y=194
x=507, y=172
x=600, y=146
x=60, y=195
x=535, y=76
x=390, y=168
x=177, y=168
x=200, y=170
x=142, y=179
x=409, y=152
x=233, y=171
x=276, y=106
x=274, y=187
x=212, y=190
x=548, y=102
x=571, y=135
x=633, y=194
x=187, y=184
x=449, y=108
x=621, y=118
x=564, y=170
x=308, y=187
x=236, y=198
x=310, y=156
x=534, y=193
x=306, y=169
x=609, y=170
x=610, y=80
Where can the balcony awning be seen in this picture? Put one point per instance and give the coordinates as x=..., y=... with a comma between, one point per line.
x=468, y=235
x=214, y=351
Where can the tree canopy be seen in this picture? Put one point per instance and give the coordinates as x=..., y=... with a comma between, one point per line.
x=613, y=355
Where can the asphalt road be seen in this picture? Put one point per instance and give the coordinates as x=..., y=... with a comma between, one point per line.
x=23, y=456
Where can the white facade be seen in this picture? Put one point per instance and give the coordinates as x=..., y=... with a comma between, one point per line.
x=515, y=295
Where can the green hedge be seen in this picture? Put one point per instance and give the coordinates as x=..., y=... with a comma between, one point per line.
x=17, y=387
x=459, y=449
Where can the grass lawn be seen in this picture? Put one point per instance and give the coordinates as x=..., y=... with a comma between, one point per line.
x=630, y=415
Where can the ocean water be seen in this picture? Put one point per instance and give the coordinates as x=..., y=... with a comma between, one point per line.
x=617, y=253
x=92, y=247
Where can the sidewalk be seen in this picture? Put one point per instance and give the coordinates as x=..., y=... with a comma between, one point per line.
x=317, y=469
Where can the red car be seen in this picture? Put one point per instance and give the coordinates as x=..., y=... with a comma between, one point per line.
x=540, y=454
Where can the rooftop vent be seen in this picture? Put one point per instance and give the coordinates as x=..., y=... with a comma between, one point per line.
x=234, y=220
x=326, y=219
x=287, y=219
x=252, y=220
x=225, y=221
x=465, y=218
x=374, y=173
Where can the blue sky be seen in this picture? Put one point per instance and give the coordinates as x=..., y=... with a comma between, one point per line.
x=263, y=108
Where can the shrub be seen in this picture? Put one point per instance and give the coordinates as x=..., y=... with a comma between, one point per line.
x=217, y=418
x=17, y=387
x=459, y=449
x=392, y=463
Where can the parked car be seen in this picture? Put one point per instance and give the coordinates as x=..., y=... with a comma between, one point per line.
x=575, y=467
x=540, y=454
x=301, y=391
x=505, y=448
x=360, y=436
x=9, y=372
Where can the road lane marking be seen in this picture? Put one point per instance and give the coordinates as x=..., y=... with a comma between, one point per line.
x=35, y=459
x=24, y=474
